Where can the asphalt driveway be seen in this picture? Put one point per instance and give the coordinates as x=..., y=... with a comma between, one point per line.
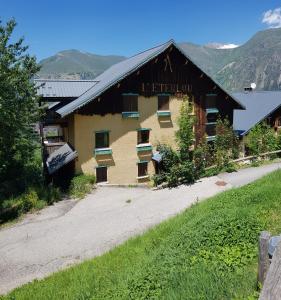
x=72, y=231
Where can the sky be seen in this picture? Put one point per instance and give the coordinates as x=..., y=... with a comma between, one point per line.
x=125, y=27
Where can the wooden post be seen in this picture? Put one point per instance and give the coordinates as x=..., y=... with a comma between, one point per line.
x=263, y=256
x=272, y=285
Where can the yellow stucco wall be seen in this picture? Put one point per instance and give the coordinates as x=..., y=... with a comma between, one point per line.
x=122, y=164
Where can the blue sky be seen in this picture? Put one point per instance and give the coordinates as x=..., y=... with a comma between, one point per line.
x=127, y=27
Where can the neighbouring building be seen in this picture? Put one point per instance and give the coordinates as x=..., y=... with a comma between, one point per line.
x=113, y=127
x=261, y=106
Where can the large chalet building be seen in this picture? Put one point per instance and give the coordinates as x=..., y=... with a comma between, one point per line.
x=112, y=125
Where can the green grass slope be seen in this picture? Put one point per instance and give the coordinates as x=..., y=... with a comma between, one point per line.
x=207, y=252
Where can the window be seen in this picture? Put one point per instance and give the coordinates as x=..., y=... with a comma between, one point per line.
x=142, y=169
x=130, y=102
x=163, y=102
x=211, y=101
x=101, y=174
x=143, y=136
x=211, y=129
x=212, y=118
x=102, y=139
x=53, y=133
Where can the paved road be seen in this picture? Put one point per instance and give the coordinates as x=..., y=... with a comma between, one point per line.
x=72, y=231
x=245, y=176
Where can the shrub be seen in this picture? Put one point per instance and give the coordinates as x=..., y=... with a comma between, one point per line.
x=14, y=207
x=35, y=198
x=226, y=146
x=50, y=193
x=177, y=166
x=81, y=185
x=30, y=200
x=261, y=139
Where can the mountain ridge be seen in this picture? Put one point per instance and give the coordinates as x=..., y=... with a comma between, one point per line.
x=258, y=60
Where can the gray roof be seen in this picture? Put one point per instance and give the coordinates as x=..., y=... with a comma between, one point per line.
x=259, y=105
x=60, y=158
x=63, y=88
x=116, y=73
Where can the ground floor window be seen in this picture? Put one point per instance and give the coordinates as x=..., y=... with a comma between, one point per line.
x=101, y=174
x=142, y=168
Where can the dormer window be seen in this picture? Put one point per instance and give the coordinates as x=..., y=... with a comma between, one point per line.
x=163, y=102
x=130, y=106
x=163, y=105
x=211, y=101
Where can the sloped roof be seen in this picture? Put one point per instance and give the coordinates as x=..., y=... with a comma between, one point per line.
x=119, y=71
x=259, y=105
x=62, y=88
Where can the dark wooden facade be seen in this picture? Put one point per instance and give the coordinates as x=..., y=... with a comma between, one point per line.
x=171, y=72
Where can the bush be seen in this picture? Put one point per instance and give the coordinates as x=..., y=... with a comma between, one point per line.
x=81, y=185
x=23, y=176
x=30, y=200
x=14, y=207
x=177, y=166
x=173, y=171
x=35, y=198
x=226, y=146
x=261, y=139
x=50, y=193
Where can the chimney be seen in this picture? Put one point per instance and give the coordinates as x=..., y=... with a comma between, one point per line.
x=248, y=89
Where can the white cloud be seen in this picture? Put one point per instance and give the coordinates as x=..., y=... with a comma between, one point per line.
x=221, y=45
x=227, y=46
x=272, y=18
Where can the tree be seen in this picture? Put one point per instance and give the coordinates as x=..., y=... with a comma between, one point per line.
x=18, y=109
x=185, y=134
x=177, y=166
x=226, y=146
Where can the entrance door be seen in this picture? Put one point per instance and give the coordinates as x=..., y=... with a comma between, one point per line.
x=101, y=174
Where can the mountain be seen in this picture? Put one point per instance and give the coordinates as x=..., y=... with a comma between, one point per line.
x=258, y=60
x=74, y=64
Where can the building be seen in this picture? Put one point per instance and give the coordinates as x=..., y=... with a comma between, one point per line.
x=261, y=106
x=112, y=128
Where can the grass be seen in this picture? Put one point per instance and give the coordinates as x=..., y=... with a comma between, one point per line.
x=207, y=252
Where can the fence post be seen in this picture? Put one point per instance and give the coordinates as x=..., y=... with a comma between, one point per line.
x=263, y=256
x=272, y=286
